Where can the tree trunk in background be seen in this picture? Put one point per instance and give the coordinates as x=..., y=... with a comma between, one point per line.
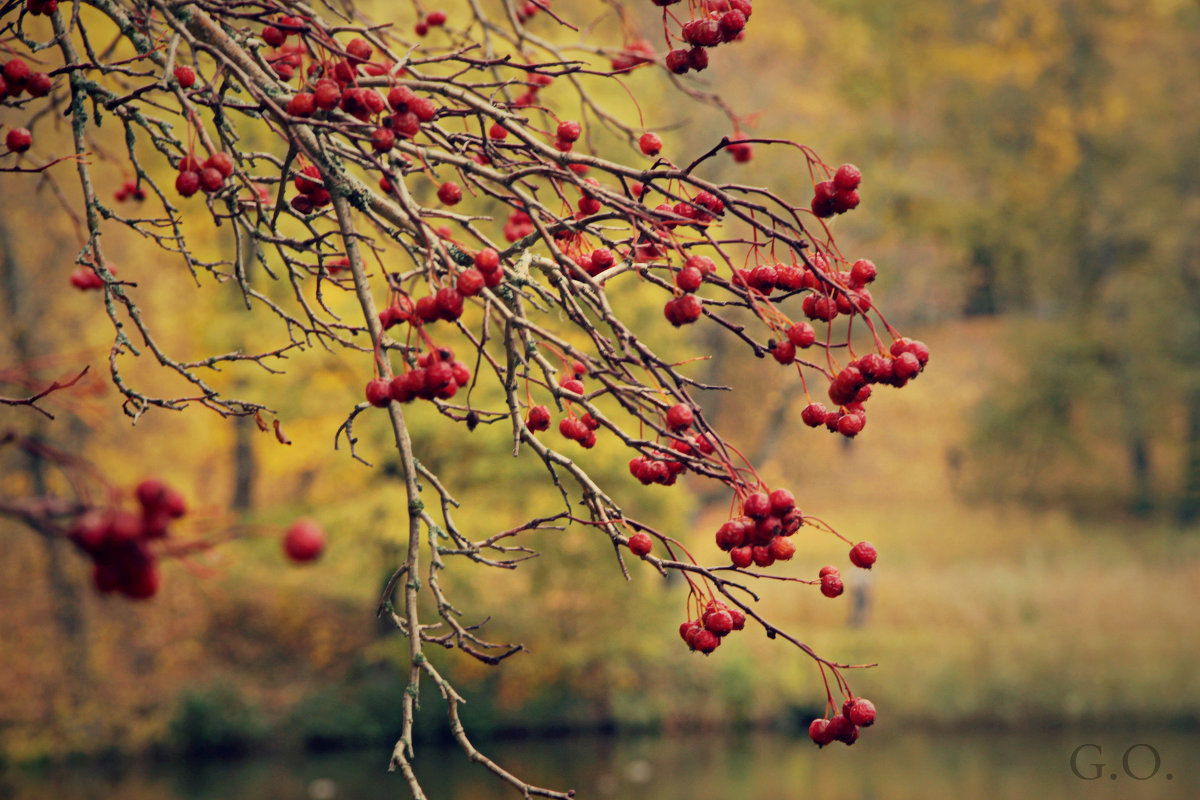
x=245, y=464
x=23, y=317
x=1189, y=502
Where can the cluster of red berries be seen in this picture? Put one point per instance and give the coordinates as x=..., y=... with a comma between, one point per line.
x=851, y=387
x=580, y=429
x=530, y=8
x=839, y=195
x=857, y=712
x=742, y=151
x=209, y=176
x=636, y=53
x=85, y=278
x=665, y=470
x=130, y=191
x=312, y=192
x=703, y=209
x=762, y=535
x=16, y=77
x=434, y=19
x=437, y=375
x=518, y=225
x=717, y=622
x=721, y=21
x=118, y=540
x=38, y=7
x=596, y=261
x=862, y=555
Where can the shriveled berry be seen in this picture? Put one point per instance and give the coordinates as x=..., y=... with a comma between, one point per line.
x=185, y=76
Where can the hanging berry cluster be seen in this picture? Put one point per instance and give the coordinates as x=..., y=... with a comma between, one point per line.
x=121, y=543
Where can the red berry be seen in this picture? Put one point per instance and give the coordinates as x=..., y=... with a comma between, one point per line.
x=569, y=131
x=538, y=418
x=862, y=273
x=359, y=50
x=382, y=140
x=829, y=570
x=731, y=24
x=470, y=282
x=680, y=417
x=850, y=425
x=689, y=279
x=221, y=162
x=436, y=19
x=784, y=352
x=739, y=619
x=742, y=557
x=782, y=501
x=304, y=541
x=906, y=366
x=640, y=544
x=211, y=180
x=449, y=303
x=863, y=555
x=379, y=392
x=861, y=712
x=16, y=72
x=782, y=548
x=719, y=621
x=831, y=585
x=741, y=151
x=847, y=178
x=730, y=535
x=487, y=260
x=677, y=61
x=449, y=193
x=757, y=505
x=762, y=556
x=842, y=730
x=650, y=144
x=705, y=641
x=424, y=108
x=818, y=731
x=187, y=183
x=18, y=140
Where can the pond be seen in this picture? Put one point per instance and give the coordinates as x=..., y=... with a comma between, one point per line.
x=1109, y=764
